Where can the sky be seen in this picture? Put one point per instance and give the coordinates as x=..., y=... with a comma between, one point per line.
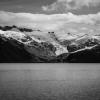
x=52, y=14
x=51, y=6
x=30, y=6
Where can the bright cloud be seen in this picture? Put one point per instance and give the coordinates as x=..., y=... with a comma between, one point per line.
x=47, y=22
x=70, y=4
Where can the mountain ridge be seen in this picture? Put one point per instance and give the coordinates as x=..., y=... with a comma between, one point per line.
x=49, y=51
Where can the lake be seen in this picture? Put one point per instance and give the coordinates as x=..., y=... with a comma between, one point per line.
x=49, y=82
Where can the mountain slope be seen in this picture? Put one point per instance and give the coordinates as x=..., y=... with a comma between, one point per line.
x=15, y=52
x=11, y=51
x=17, y=47
x=27, y=45
x=83, y=56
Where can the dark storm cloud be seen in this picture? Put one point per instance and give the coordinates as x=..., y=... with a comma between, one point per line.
x=33, y=6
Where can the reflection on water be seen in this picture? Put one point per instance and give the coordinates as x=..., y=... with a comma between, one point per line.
x=50, y=83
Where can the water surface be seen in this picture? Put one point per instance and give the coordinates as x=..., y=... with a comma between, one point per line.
x=49, y=82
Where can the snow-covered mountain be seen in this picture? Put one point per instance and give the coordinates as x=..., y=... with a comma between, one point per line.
x=47, y=45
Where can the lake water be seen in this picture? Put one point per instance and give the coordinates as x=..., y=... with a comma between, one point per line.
x=49, y=82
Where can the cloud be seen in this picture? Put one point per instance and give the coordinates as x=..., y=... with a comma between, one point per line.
x=28, y=20
x=70, y=4
x=47, y=22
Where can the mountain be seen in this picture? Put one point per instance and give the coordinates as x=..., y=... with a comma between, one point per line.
x=12, y=51
x=22, y=45
x=82, y=56
x=18, y=44
x=7, y=28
